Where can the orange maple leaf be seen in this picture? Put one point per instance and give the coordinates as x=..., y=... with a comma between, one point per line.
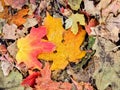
x=18, y=18
x=67, y=44
x=31, y=46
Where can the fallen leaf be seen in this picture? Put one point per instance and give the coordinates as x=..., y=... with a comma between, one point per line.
x=30, y=80
x=9, y=31
x=12, y=49
x=6, y=67
x=74, y=4
x=90, y=7
x=67, y=45
x=44, y=81
x=54, y=29
x=5, y=13
x=103, y=4
x=18, y=18
x=114, y=8
x=83, y=86
x=31, y=46
x=75, y=18
x=12, y=81
x=3, y=49
x=92, y=23
x=1, y=7
x=108, y=71
x=30, y=22
x=17, y=4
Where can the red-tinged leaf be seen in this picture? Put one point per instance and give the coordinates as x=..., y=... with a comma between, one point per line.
x=30, y=80
x=44, y=82
x=3, y=49
x=92, y=23
x=31, y=46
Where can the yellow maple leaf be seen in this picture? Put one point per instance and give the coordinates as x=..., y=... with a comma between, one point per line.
x=67, y=44
x=54, y=29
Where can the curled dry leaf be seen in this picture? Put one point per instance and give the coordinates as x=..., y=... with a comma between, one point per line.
x=31, y=46
x=67, y=44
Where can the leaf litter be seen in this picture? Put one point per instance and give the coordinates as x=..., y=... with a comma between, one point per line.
x=59, y=44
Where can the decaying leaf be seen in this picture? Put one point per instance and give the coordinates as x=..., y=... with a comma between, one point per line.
x=114, y=7
x=67, y=45
x=90, y=7
x=9, y=31
x=108, y=72
x=44, y=81
x=82, y=86
x=6, y=67
x=1, y=7
x=74, y=4
x=31, y=46
x=15, y=3
x=30, y=22
x=75, y=19
x=12, y=81
x=12, y=49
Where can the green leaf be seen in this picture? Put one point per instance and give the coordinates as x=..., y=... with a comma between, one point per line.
x=75, y=18
x=91, y=41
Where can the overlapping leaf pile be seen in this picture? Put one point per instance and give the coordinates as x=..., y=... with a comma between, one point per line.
x=59, y=44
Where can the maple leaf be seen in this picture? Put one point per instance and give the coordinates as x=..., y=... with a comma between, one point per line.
x=74, y=4
x=74, y=18
x=18, y=18
x=44, y=81
x=66, y=51
x=32, y=45
x=54, y=29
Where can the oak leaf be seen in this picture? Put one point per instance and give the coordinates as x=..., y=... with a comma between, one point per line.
x=67, y=44
x=31, y=46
